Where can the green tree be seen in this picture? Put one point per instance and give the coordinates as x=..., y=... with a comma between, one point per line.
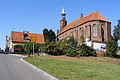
x=111, y=48
x=28, y=48
x=49, y=35
x=52, y=36
x=116, y=32
x=39, y=48
x=45, y=33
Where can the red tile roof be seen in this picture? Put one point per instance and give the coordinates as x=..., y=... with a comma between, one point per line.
x=93, y=16
x=18, y=37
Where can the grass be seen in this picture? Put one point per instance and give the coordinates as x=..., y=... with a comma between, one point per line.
x=85, y=68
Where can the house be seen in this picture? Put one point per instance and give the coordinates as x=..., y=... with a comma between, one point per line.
x=95, y=29
x=14, y=42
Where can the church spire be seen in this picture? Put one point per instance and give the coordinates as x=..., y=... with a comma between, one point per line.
x=63, y=11
x=63, y=14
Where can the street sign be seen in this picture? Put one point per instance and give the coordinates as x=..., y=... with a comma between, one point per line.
x=33, y=39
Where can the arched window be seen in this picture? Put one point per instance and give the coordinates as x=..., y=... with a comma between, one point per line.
x=102, y=32
x=71, y=33
x=81, y=32
x=76, y=34
x=94, y=30
x=86, y=31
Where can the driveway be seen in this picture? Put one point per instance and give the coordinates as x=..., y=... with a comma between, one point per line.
x=12, y=68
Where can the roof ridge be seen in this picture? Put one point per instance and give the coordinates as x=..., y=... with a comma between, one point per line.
x=22, y=32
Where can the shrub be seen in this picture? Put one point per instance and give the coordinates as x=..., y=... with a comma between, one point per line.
x=71, y=51
x=28, y=48
x=68, y=47
x=71, y=47
x=111, y=48
x=84, y=50
x=53, y=48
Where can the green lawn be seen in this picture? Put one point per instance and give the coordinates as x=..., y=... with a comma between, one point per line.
x=79, y=68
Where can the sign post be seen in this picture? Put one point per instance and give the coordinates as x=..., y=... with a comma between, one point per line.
x=33, y=39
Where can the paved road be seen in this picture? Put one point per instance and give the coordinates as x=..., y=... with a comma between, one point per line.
x=12, y=68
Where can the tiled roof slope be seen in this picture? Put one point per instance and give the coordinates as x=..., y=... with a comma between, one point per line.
x=93, y=16
x=18, y=37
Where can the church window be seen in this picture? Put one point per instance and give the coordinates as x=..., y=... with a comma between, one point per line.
x=76, y=34
x=94, y=30
x=102, y=32
x=81, y=32
x=86, y=31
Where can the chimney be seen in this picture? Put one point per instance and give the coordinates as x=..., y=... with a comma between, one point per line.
x=81, y=15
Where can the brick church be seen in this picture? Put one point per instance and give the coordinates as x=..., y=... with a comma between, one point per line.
x=95, y=29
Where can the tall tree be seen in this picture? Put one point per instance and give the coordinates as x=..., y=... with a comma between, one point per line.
x=116, y=32
x=52, y=36
x=111, y=48
x=45, y=33
x=49, y=35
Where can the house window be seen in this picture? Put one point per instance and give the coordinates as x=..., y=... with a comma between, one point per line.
x=94, y=30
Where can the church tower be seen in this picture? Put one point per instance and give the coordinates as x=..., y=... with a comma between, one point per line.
x=63, y=21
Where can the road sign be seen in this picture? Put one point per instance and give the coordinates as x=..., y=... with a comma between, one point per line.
x=33, y=39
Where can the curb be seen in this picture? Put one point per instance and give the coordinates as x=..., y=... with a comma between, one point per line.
x=18, y=55
x=39, y=70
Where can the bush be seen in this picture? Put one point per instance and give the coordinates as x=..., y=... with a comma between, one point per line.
x=71, y=47
x=68, y=47
x=28, y=47
x=53, y=48
x=84, y=50
x=111, y=48
x=71, y=51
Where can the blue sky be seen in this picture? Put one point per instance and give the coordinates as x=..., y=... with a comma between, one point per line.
x=35, y=15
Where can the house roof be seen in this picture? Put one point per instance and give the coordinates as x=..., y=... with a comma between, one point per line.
x=18, y=37
x=93, y=16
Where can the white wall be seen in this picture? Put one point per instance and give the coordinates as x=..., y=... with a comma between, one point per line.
x=97, y=46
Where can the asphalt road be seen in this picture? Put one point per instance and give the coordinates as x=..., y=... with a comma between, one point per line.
x=12, y=68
